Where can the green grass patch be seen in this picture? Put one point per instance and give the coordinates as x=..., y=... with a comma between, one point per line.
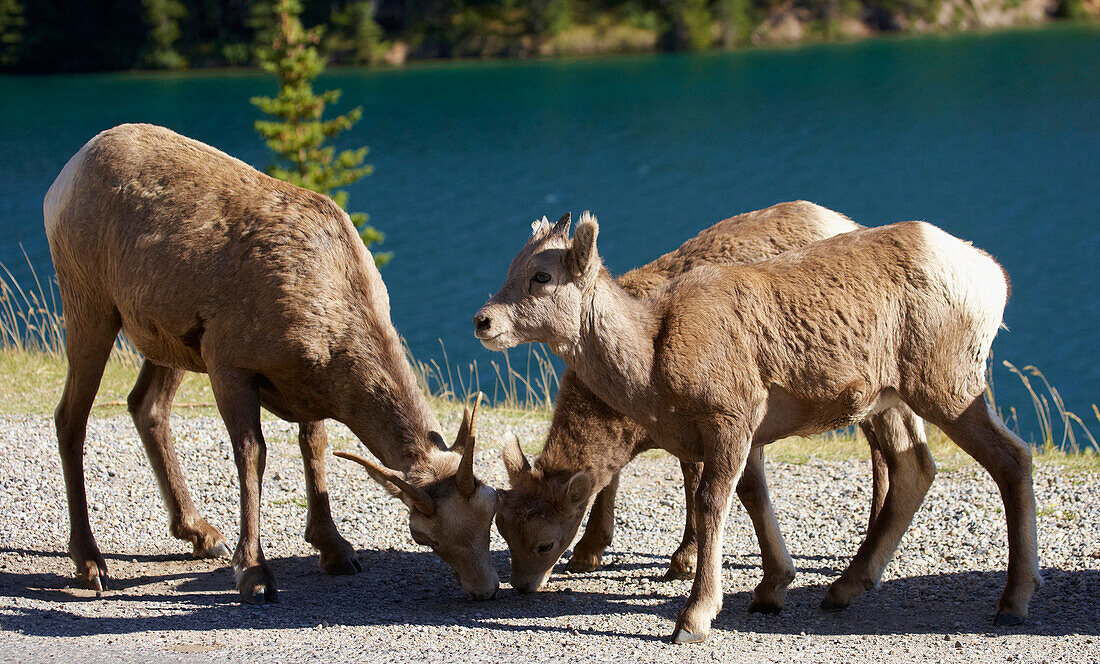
x=33, y=365
x=34, y=382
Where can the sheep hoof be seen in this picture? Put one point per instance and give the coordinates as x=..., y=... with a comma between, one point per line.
x=1006, y=619
x=681, y=635
x=219, y=550
x=582, y=563
x=769, y=608
x=674, y=574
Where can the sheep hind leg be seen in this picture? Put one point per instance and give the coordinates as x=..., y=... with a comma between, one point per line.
x=880, y=482
x=685, y=558
x=150, y=403
x=910, y=474
x=88, y=343
x=980, y=433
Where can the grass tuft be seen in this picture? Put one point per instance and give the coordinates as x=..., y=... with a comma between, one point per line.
x=533, y=389
x=31, y=319
x=32, y=357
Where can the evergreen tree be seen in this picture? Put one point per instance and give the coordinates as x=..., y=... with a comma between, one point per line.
x=298, y=135
x=263, y=20
x=550, y=17
x=163, y=17
x=11, y=31
x=691, y=23
x=354, y=37
x=733, y=17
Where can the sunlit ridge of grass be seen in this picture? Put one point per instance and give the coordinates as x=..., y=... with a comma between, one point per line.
x=32, y=356
x=32, y=343
x=31, y=319
x=532, y=389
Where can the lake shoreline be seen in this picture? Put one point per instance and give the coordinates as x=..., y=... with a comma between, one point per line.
x=811, y=39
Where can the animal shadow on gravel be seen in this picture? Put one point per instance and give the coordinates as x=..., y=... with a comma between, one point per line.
x=171, y=592
x=950, y=603
x=654, y=566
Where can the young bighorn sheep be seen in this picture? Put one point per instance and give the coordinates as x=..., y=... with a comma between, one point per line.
x=209, y=265
x=588, y=442
x=727, y=358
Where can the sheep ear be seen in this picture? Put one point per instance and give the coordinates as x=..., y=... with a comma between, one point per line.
x=580, y=488
x=584, y=261
x=540, y=227
x=562, y=226
x=514, y=460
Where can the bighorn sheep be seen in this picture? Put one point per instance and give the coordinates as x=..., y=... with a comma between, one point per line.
x=726, y=358
x=589, y=442
x=209, y=265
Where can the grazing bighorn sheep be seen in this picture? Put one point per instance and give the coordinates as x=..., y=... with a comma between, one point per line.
x=588, y=442
x=727, y=358
x=209, y=265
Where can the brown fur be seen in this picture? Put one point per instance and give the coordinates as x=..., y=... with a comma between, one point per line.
x=725, y=358
x=209, y=265
x=587, y=436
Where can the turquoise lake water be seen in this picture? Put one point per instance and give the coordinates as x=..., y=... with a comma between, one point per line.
x=994, y=137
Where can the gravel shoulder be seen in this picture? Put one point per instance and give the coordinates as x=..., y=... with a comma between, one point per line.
x=936, y=601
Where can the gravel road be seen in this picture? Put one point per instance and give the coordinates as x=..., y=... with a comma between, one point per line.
x=936, y=601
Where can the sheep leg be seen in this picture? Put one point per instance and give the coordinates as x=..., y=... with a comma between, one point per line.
x=911, y=471
x=880, y=482
x=684, y=559
x=88, y=344
x=150, y=403
x=337, y=555
x=589, y=550
x=726, y=451
x=239, y=405
x=980, y=433
x=771, y=593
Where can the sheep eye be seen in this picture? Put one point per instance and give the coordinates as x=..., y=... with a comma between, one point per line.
x=541, y=278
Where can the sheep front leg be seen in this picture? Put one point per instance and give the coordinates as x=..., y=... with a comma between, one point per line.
x=239, y=404
x=771, y=593
x=337, y=555
x=588, y=552
x=724, y=459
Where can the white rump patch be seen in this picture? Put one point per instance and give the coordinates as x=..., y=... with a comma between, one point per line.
x=833, y=223
x=971, y=280
x=61, y=191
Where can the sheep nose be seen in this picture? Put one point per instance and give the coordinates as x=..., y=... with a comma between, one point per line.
x=482, y=323
x=483, y=596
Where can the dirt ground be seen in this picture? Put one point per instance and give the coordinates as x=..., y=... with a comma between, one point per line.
x=936, y=601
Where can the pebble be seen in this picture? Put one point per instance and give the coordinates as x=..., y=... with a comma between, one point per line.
x=938, y=594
